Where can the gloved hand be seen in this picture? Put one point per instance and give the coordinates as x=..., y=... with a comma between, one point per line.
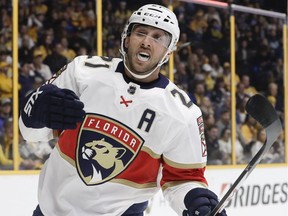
x=52, y=107
x=201, y=201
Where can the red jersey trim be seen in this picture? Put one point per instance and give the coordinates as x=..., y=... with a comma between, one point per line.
x=144, y=169
x=172, y=174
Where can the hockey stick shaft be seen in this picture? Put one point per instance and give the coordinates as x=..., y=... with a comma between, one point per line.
x=264, y=113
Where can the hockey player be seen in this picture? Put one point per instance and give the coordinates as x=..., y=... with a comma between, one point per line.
x=125, y=130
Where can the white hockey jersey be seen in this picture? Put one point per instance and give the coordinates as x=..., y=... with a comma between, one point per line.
x=135, y=138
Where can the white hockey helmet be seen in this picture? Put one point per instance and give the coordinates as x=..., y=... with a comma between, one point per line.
x=156, y=16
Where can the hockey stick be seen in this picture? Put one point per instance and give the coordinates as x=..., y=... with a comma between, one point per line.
x=263, y=112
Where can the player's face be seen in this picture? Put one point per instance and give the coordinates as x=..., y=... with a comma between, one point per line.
x=146, y=47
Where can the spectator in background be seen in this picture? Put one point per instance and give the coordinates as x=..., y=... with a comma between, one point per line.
x=33, y=154
x=214, y=156
x=278, y=150
x=225, y=145
x=46, y=46
x=5, y=162
x=5, y=56
x=81, y=51
x=6, y=152
x=274, y=41
x=243, y=57
x=249, y=132
x=219, y=92
x=76, y=41
x=224, y=105
x=262, y=65
x=213, y=37
x=207, y=77
x=240, y=107
x=224, y=120
x=35, y=25
x=274, y=96
x=58, y=21
x=181, y=76
x=66, y=51
x=206, y=106
x=76, y=16
x=6, y=39
x=6, y=20
x=184, y=48
x=227, y=76
x=209, y=120
x=6, y=140
x=40, y=7
x=274, y=154
x=213, y=14
x=39, y=66
x=23, y=13
x=279, y=69
x=5, y=112
x=25, y=49
x=198, y=93
x=90, y=16
x=26, y=79
x=201, y=55
x=194, y=66
x=89, y=23
x=258, y=143
x=122, y=13
x=240, y=93
x=248, y=88
x=56, y=60
x=217, y=69
x=5, y=81
x=198, y=25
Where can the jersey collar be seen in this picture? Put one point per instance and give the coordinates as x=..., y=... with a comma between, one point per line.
x=161, y=82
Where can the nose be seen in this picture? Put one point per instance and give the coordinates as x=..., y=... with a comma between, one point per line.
x=146, y=42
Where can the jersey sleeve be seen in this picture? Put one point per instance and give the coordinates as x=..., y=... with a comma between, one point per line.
x=65, y=78
x=35, y=135
x=184, y=162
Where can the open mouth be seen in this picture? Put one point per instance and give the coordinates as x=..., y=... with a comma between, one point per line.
x=143, y=56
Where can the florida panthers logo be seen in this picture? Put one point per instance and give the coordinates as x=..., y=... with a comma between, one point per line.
x=105, y=159
x=105, y=149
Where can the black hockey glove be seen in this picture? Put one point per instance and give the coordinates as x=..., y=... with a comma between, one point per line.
x=200, y=202
x=52, y=107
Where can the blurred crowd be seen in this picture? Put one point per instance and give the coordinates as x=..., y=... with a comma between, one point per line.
x=52, y=33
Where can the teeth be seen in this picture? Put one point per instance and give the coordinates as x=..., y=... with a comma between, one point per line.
x=142, y=56
x=89, y=152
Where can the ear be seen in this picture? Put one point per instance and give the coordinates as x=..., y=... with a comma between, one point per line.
x=126, y=42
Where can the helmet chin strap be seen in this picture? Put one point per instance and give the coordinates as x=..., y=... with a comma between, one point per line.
x=143, y=76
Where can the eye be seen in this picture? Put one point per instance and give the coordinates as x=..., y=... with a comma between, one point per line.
x=140, y=33
x=99, y=146
x=158, y=37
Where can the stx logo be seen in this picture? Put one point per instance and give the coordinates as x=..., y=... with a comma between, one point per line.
x=31, y=101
